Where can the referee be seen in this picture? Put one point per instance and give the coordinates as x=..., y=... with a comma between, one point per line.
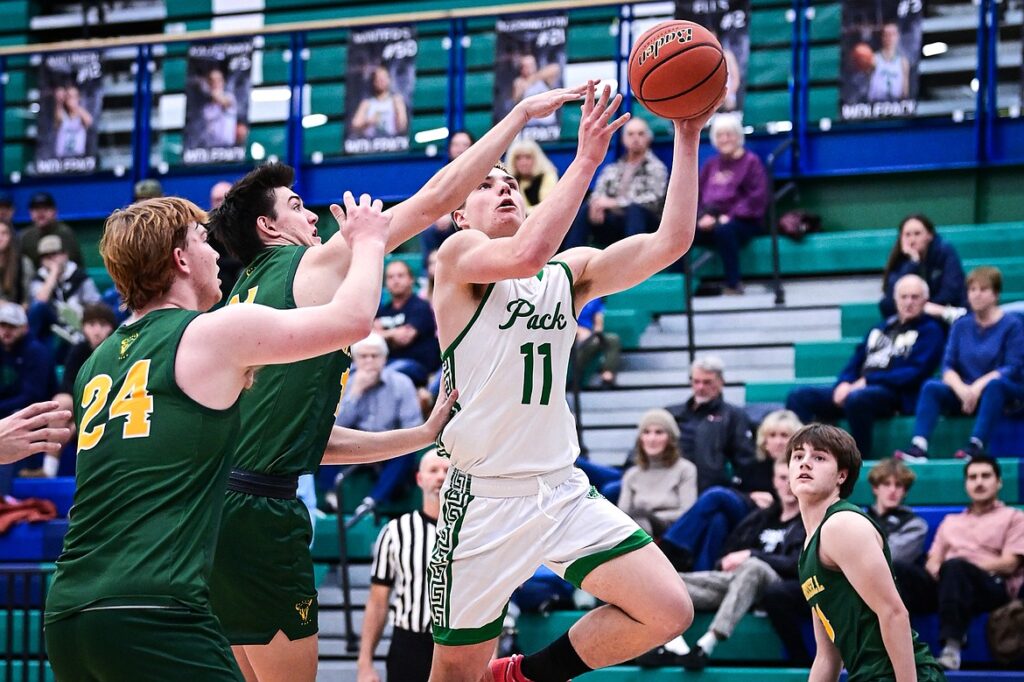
x=400, y=563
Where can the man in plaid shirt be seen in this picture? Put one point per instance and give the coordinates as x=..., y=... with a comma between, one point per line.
x=628, y=195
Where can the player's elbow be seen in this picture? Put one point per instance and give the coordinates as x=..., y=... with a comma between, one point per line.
x=894, y=612
x=356, y=329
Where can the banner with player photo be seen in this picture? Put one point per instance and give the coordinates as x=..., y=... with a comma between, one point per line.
x=529, y=60
x=881, y=51
x=729, y=21
x=217, y=88
x=70, y=104
x=379, y=82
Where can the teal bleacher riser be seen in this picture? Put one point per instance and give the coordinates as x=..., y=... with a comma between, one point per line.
x=941, y=482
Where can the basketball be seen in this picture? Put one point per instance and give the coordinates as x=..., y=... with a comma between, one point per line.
x=863, y=57
x=677, y=69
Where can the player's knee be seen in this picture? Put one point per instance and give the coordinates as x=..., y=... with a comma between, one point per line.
x=676, y=613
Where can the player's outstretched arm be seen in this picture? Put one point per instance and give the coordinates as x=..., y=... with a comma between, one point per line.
x=350, y=446
x=851, y=542
x=632, y=260
x=36, y=428
x=218, y=349
x=473, y=258
x=448, y=188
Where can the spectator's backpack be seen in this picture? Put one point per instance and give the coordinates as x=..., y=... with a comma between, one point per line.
x=1006, y=632
x=798, y=223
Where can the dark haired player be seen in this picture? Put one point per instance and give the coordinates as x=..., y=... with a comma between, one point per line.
x=262, y=588
x=846, y=570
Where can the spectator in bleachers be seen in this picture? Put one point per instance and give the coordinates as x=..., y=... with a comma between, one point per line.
x=905, y=531
x=15, y=269
x=59, y=293
x=6, y=209
x=976, y=557
x=230, y=267
x=714, y=433
x=733, y=197
x=378, y=398
x=533, y=170
x=982, y=370
x=407, y=324
x=432, y=238
x=26, y=371
x=425, y=283
x=919, y=250
x=149, y=188
x=761, y=551
x=628, y=195
x=398, y=584
x=98, y=322
x=885, y=373
x=592, y=340
x=43, y=211
x=661, y=486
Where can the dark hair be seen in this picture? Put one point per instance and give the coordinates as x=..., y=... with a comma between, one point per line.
x=896, y=256
x=460, y=131
x=233, y=224
x=835, y=441
x=984, y=459
x=408, y=268
x=99, y=312
x=11, y=286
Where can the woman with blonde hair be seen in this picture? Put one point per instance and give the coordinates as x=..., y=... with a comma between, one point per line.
x=695, y=541
x=533, y=170
x=662, y=485
x=15, y=269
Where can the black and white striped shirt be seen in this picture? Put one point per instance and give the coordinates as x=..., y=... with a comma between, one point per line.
x=400, y=561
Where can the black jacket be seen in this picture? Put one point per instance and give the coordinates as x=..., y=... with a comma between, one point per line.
x=712, y=434
x=783, y=556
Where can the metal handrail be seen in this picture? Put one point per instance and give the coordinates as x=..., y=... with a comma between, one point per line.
x=351, y=641
x=773, y=210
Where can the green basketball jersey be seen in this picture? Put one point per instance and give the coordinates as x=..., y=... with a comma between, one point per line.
x=152, y=469
x=848, y=621
x=288, y=413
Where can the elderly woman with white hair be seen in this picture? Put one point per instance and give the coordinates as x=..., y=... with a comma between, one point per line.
x=733, y=197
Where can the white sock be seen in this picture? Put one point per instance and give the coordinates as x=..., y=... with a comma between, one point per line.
x=920, y=441
x=707, y=642
x=952, y=645
x=678, y=646
x=50, y=465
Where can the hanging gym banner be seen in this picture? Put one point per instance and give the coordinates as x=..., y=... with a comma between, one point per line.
x=217, y=88
x=530, y=59
x=70, y=104
x=881, y=51
x=729, y=21
x=379, y=83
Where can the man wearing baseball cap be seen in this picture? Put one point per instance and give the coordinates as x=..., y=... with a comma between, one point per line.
x=43, y=211
x=26, y=370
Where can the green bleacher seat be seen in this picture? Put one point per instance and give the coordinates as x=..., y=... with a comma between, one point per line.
x=768, y=26
x=823, y=358
x=769, y=67
x=19, y=635
x=753, y=640
x=590, y=42
x=941, y=482
x=827, y=21
x=327, y=99
x=361, y=538
x=776, y=391
x=823, y=61
x=480, y=89
x=326, y=62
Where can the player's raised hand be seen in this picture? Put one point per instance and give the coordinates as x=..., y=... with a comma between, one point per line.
x=696, y=124
x=596, y=128
x=362, y=222
x=41, y=427
x=547, y=103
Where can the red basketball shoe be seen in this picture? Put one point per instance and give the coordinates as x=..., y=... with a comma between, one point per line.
x=508, y=669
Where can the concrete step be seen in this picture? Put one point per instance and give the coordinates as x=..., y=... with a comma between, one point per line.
x=616, y=439
x=330, y=596
x=772, y=318
x=798, y=292
x=332, y=622
x=742, y=335
x=640, y=399
x=612, y=457
x=342, y=671
x=335, y=647
x=736, y=360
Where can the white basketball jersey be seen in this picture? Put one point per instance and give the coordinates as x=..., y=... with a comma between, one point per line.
x=509, y=365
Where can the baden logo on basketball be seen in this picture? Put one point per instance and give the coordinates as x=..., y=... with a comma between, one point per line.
x=681, y=36
x=303, y=608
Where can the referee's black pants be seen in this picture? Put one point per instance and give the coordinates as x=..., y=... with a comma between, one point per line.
x=409, y=656
x=966, y=591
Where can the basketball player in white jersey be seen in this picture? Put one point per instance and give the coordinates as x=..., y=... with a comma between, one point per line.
x=513, y=500
x=890, y=80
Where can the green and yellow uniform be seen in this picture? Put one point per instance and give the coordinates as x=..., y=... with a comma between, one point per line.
x=847, y=620
x=130, y=597
x=263, y=570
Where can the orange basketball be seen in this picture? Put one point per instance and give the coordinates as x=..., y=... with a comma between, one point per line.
x=677, y=69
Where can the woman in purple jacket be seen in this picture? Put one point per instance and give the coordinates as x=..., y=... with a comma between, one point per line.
x=733, y=197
